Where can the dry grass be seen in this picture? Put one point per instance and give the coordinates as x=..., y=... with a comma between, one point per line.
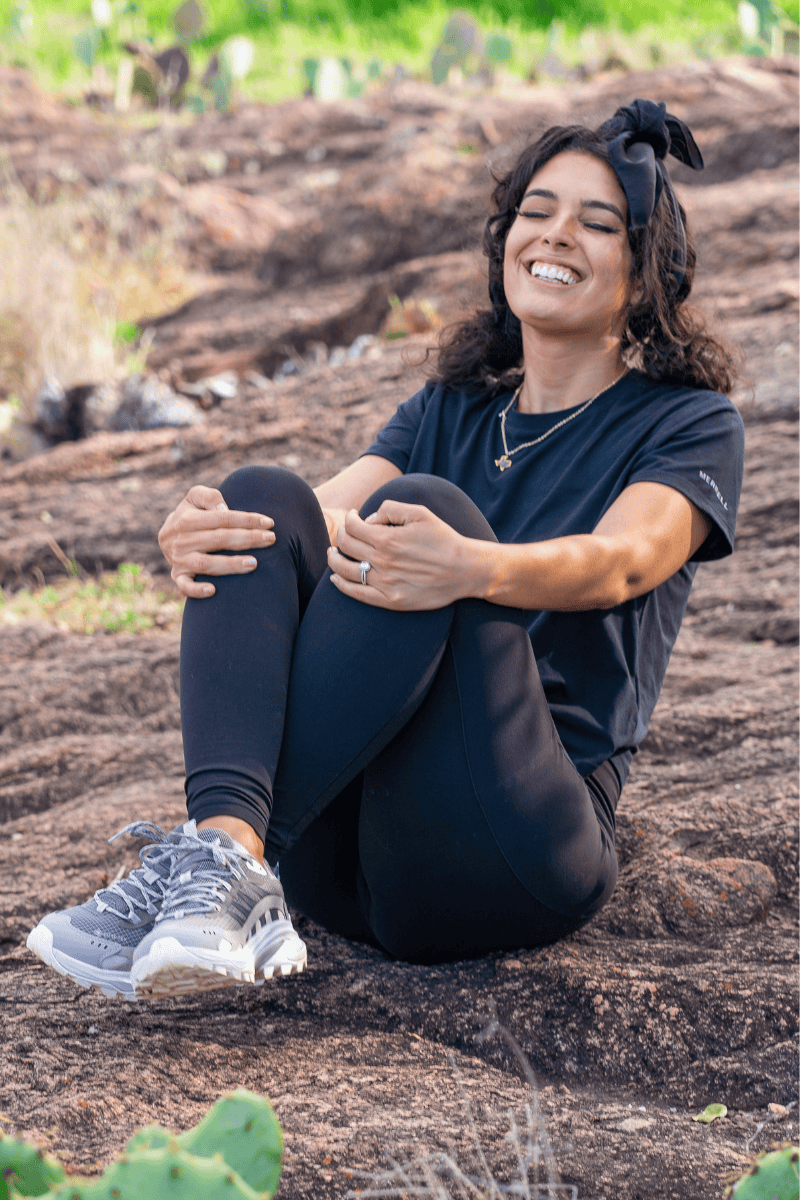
x=440, y=1177
x=123, y=601
x=72, y=272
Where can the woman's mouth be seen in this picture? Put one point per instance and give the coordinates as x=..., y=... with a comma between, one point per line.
x=550, y=272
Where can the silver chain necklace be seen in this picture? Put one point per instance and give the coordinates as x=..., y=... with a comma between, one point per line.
x=504, y=461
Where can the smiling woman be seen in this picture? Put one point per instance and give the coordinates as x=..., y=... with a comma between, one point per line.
x=567, y=262
x=421, y=687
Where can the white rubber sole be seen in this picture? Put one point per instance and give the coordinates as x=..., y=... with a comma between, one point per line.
x=172, y=969
x=110, y=983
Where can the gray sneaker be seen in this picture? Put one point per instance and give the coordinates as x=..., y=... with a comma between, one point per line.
x=93, y=943
x=224, y=921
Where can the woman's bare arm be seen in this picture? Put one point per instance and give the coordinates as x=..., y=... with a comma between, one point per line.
x=645, y=537
x=419, y=562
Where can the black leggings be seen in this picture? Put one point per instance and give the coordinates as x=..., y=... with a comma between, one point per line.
x=403, y=766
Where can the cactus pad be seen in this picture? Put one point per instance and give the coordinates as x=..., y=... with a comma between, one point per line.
x=774, y=1176
x=242, y=1127
x=168, y=1173
x=26, y=1169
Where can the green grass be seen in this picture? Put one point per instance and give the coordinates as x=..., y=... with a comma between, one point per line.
x=49, y=36
x=123, y=601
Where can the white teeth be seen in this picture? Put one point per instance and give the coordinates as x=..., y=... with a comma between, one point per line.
x=548, y=271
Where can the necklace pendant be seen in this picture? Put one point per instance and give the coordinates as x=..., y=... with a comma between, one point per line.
x=503, y=462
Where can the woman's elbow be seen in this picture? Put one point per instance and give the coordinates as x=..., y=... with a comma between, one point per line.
x=616, y=589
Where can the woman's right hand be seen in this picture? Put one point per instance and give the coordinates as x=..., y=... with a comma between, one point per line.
x=203, y=524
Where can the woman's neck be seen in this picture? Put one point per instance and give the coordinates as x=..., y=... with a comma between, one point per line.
x=559, y=376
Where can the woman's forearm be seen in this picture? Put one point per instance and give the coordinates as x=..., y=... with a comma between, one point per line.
x=565, y=574
x=647, y=535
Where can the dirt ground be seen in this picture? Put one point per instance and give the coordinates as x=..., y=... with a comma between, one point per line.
x=684, y=990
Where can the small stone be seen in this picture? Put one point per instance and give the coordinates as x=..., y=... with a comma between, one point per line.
x=720, y=893
x=361, y=344
x=223, y=386
x=214, y=162
x=99, y=406
x=633, y=1124
x=316, y=354
x=50, y=408
x=148, y=403
x=257, y=380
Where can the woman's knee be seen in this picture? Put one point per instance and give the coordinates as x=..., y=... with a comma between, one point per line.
x=443, y=498
x=265, y=488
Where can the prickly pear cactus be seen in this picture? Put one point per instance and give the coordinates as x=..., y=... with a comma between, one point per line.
x=26, y=1169
x=242, y=1127
x=168, y=1173
x=773, y=1176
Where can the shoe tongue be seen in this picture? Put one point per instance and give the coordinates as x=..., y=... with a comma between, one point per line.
x=115, y=902
x=214, y=835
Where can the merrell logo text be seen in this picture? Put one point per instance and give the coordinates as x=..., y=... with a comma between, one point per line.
x=707, y=479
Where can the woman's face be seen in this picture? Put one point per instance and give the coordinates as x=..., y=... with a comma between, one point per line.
x=567, y=266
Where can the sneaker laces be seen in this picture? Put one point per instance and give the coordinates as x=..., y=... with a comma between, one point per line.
x=143, y=889
x=200, y=881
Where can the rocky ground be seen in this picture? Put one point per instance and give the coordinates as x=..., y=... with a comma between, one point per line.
x=305, y=218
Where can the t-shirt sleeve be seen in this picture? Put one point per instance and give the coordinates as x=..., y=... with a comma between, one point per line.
x=396, y=440
x=701, y=455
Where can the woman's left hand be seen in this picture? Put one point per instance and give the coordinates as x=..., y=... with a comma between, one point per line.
x=417, y=560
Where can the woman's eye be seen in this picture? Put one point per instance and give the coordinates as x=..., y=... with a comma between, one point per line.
x=602, y=228
x=533, y=213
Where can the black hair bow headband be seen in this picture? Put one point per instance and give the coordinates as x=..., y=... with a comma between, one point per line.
x=641, y=135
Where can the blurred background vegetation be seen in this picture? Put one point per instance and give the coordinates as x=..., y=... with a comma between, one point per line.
x=269, y=50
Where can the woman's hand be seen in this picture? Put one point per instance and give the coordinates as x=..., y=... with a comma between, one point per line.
x=202, y=524
x=418, y=561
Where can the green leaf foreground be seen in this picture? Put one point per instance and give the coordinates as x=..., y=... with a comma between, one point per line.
x=710, y=1113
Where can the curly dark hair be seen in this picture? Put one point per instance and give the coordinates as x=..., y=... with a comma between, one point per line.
x=663, y=338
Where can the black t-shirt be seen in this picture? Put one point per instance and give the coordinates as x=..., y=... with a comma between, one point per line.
x=602, y=669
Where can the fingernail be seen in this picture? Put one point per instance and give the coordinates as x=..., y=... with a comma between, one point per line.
x=208, y=591
x=266, y=521
x=250, y=562
x=222, y=506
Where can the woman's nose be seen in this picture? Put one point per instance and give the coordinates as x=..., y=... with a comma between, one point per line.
x=559, y=234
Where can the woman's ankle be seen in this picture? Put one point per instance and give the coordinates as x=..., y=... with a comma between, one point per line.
x=239, y=830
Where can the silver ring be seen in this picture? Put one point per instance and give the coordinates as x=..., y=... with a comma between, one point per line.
x=363, y=568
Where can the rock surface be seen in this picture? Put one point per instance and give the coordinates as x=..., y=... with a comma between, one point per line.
x=684, y=990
